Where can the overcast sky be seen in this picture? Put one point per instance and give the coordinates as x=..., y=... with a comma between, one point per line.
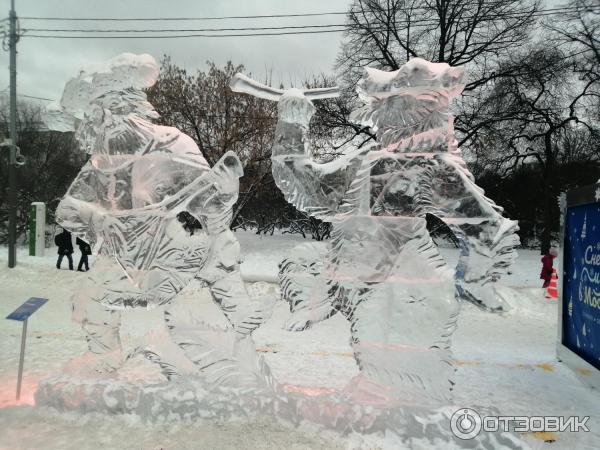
x=44, y=65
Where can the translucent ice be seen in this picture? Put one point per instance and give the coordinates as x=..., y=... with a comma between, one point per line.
x=126, y=200
x=382, y=271
x=409, y=111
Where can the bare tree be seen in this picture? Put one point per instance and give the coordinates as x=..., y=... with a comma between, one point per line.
x=52, y=161
x=579, y=28
x=545, y=106
x=478, y=34
x=204, y=107
x=330, y=130
x=386, y=33
x=523, y=104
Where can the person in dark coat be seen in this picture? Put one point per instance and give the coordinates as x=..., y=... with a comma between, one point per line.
x=65, y=248
x=85, y=250
x=546, y=273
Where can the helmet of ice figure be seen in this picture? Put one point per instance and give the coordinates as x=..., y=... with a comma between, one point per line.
x=294, y=107
x=416, y=77
x=408, y=108
x=105, y=102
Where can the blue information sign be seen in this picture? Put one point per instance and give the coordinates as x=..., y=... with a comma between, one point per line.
x=581, y=282
x=27, y=309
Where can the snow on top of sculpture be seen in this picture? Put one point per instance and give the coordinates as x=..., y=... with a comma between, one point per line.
x=408, y=107
x=120, y=80
x=417, y=77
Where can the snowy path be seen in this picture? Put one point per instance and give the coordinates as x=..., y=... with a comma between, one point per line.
x=504, y=361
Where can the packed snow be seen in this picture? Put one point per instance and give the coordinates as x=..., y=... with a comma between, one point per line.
x=505, y=361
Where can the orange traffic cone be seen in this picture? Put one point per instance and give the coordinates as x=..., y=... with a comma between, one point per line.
x=552, y=290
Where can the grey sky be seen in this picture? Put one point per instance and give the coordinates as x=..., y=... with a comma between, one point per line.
x=44, y=65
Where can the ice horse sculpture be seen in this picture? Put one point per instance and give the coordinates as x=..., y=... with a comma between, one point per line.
x=382, y=270
x=126, y=199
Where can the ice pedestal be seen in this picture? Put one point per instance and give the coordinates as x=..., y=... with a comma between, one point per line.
x=184, y=399
x=188, y=401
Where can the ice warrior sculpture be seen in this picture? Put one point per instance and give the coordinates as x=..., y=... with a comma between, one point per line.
x=382, y=270
x=409, y=111
x=126, y=199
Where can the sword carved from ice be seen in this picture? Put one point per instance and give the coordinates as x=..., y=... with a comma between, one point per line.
x=245, y=85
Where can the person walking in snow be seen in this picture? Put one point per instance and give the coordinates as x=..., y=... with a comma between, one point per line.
x=85, y=250
x=65, y=248
x=547, y=260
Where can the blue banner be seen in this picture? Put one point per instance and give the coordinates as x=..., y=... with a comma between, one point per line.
x=581, y=282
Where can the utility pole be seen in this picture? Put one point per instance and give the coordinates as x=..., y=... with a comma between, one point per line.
x=12, y=160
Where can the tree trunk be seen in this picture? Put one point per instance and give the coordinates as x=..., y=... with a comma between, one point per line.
x=547, y=195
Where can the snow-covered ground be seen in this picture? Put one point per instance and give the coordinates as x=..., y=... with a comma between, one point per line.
x=506, y=361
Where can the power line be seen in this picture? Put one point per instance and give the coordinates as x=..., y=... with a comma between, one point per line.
x=495, y=16
x=28, y=96
x=70, y=30
x=143, y=19
x=336, y=28
x=166, y=36
x=37, y=98
x=265, y=16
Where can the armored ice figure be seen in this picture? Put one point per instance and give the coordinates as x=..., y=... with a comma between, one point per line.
x=382, y=270
x=409, y=111
x=126, y=201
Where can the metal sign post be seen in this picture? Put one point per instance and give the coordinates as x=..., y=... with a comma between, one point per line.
x=21, y=358
x=21, y=314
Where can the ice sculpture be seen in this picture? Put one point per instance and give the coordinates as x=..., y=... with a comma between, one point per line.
x=409, y=111
x=382, y=270
x=126, y=200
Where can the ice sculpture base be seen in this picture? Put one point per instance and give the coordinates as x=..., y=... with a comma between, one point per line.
x=182, y=400
x=186, y=400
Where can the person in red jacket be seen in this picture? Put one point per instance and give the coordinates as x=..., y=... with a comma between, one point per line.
x=547, y=260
